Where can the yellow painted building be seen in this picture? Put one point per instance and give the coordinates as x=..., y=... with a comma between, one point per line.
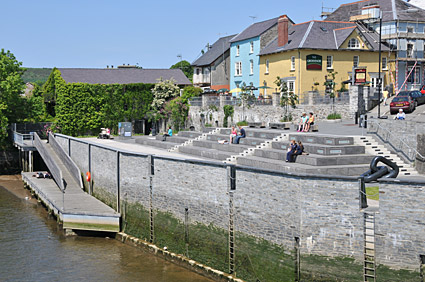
x=314, y=49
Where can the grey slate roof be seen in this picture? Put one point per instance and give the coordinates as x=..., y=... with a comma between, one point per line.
x=217, y=49
x=323, y=35
x=255, y=30
x=122, y=75
x=392, y=10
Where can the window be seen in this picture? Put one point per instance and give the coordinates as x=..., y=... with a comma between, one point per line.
x=237, y=50
x=251, y=49
x=197, y=71
x=251, y=67
x=410, y=50
x=353, y=43
x=414, y=77
x=329, y=62
x=293, y=63
x=356, y=61
x=291, y=86
x=267, y=66
x=374, y=82
x=410, y=29
x=238, y=68
x=384, y=63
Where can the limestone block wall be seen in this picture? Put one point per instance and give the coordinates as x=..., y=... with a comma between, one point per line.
x=322, y=211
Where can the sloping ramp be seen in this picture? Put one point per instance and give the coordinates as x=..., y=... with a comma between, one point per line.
x=64, y=196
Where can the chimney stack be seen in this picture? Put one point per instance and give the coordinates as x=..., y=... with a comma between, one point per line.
x=282, y=30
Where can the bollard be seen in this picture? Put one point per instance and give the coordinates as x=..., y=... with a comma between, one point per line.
x=356, y=118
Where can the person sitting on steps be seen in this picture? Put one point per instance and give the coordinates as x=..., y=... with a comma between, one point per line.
x=303, y=122
x=298, y=151
x=291, y=152
x=233, y=134
x=241, y=134
x=168, y=134
x=310, y=122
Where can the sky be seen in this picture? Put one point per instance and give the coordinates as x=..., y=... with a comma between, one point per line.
x=151, y=34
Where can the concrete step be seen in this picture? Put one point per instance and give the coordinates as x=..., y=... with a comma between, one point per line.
x=233, y=148
x=205, y=153
x=346, y=170
x=189, y=134
x=321, y=149
x=322, y=139
x=155, y=143
x=255, y=133
x=173, y=139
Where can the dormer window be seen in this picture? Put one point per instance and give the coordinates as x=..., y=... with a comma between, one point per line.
x=353, y=43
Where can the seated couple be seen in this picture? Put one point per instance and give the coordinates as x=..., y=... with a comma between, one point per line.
x=234, y=137
x=294, y=150
x=305, y=122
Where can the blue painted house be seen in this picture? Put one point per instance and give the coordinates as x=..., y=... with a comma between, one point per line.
x=244, y=50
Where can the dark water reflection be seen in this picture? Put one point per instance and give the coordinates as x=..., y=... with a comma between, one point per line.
x=33, y=248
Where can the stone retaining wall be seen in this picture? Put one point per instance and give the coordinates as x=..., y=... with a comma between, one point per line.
x=277, y=207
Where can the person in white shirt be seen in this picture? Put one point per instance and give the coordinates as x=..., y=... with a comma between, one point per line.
x=401, y=115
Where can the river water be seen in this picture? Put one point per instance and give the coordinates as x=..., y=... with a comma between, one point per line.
x=33, y=248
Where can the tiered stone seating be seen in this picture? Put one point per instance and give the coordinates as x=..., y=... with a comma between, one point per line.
x=211, y=149
x=328, y=155
x=170, y=142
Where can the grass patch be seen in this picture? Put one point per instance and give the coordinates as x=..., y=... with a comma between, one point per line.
x=372, y=193
x=321, y=269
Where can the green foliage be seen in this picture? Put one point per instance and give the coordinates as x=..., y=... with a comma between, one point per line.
x=177, y=111
x=242, y=123
x=162, y=92
x=191, y=91
x=3, y=125
x=228, y=112
x=36, y=109
x=185, y=67
x=334, y=116
x=286, y=118
x=36, y=75
x=83, y=108
x=330, y=83
x=287, y=99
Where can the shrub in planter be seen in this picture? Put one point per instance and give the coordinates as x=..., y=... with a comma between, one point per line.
x=334, y=116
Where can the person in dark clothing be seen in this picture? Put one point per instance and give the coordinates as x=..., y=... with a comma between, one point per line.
x=291, y=151
x=298, y=151
x=241, y=135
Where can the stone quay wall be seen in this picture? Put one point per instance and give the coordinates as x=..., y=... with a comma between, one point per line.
x=323, y=212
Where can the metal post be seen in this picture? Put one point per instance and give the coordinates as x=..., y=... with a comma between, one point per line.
x=90, y=182
x=379, y=67
x=297, y=260
x=422, y=267
x=30, y=159
x=151, y=172
x=69, y=147
x=118, y=183
x=362, y=194
x=186, y=230
x=231, y=186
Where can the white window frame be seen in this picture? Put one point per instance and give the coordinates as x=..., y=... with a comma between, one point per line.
x=238, y=50
x=412, y=54
x=290, y=83
x=251, y=67
x=356, y=61
x=267, y=66
x=411, y=28
x=384, y=63
x=374, y=82
x=238, y=68
x=353, y=43
x=251, y=47
x=331, y=60
x=292, y=63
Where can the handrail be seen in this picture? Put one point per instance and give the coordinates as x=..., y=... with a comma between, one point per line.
x=399, y=139
x=50, y=162
x=69, y=163
x=20, y=139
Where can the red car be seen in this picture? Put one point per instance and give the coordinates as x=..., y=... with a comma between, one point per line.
x=423, y=89
x=402, y=102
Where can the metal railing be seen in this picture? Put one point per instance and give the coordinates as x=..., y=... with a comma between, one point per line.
x=23, y=140
x=230, y=100
x=397, y=143
x=320, y=97
x=50, y=162
x=196, y=101
x=67, y=161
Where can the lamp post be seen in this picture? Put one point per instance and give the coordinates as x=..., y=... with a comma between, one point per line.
x=379, y=66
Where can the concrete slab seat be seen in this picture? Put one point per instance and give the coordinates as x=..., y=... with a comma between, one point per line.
x=313, y=128
x=314, y=159
x=205, y=152
x=233, y=148
x=256, y=133
x=256, y=124
x=280, y=125
x=155, y=143
x=189, y=134
x=173, y=139
x=208, y=129
x=321, y=149
x=322, y=139
x=279, y=165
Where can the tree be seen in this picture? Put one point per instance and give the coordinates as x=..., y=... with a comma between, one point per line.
x=185, y=67
x=163, y=91
x=287, y=99
x=12, y=105
x=191, y=91
x=330, y=87
x=247, y=98
x=228, y=112
x=178, y=111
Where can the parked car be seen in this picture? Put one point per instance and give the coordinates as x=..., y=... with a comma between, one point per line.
x=402, y=102
x=423, y=89
x=416, y=95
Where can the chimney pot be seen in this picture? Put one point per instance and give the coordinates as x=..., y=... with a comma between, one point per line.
x=282, y=30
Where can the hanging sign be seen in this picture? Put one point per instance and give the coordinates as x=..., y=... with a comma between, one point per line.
x=359, y=76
